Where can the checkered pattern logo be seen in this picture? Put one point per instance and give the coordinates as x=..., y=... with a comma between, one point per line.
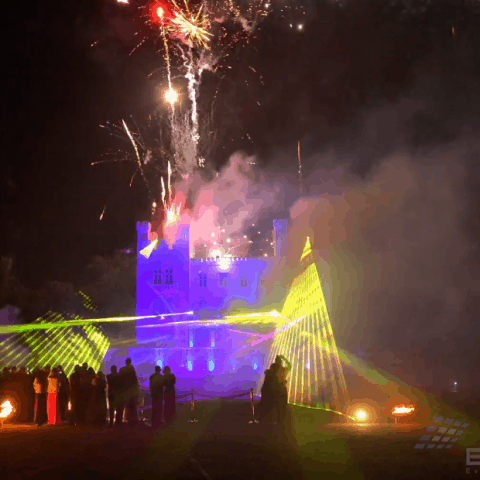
x=442, y=434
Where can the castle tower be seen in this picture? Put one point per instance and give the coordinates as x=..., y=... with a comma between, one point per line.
x=279, y=237
x=162, y=277
x=142, y=235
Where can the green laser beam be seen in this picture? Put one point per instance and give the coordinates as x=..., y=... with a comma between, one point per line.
x=311, y=407
x=77, y=322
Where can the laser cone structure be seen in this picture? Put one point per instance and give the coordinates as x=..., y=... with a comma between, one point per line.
x=304, y=336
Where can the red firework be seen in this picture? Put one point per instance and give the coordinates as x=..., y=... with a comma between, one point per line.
x=160, y=12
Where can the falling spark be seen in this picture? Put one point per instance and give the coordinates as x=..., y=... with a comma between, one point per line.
x=131, y=180
x=167, y=61
x=300, y=167
x=103, y=212
x=163, y=191
x=169, y=180
x=193, y=83
x=139, y=161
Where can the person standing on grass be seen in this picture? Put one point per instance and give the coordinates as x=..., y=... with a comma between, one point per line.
x=23, y=381
x=52, y=398
x=156, y=391
x=130, y=390
x=40, y=384
x=113, y=393
x=267, y=400
x=98, y=401
x=280, y=387
x=85, y=393
x=63, y=393
x=169, y=381
x=75, y=395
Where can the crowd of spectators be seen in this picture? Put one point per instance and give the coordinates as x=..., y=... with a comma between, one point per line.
x=47, y=396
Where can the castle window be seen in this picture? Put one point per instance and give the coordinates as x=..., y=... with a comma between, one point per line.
x=202, y=279
x=158, y=277
x=243, y=281
x=169, y=275
x=223, y=280
x=143, y=236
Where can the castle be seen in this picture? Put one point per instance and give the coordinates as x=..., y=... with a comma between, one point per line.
x=188, y=297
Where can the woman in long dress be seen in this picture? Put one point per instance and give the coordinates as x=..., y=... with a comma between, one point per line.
x=281, y=395
x=98, y=405
x=53, y=411
x=268, y=393
x=169, y=381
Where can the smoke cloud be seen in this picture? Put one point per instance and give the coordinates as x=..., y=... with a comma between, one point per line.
x=240, y=196
x=394, y=256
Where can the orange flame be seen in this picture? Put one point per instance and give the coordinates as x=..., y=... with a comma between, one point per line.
x=403, y=409
x=6, y=409
x=172, y=214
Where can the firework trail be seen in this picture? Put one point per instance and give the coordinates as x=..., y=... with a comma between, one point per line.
x=192, y=92
x=167, y=61
x=137, y=154
x=300, y=173
x=196, y=34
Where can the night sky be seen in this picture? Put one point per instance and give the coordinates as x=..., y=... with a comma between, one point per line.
x=385, y=102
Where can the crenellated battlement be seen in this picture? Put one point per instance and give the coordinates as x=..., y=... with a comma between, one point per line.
x=142, y=226
x=230, y=259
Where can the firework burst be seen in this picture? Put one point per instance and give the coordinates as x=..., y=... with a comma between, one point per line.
x=192, y=37
x=192, y=28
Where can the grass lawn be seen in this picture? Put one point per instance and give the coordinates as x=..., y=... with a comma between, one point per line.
x=223, y=445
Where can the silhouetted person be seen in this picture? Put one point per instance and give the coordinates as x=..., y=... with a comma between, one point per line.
x=169, y=381
x=31, y=397
x=268, y=392
x=40, y=385
x=75, y=393
x=63, y=393
x=130, y=391
x=23, y=381
x=156, y=390
x=113, y=392
x=98, y=406
x=4, y=377
x=84, y=390
x=88, y=392
x=280, y=387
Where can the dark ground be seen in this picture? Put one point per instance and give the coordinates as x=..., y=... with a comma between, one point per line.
x=222, y=445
